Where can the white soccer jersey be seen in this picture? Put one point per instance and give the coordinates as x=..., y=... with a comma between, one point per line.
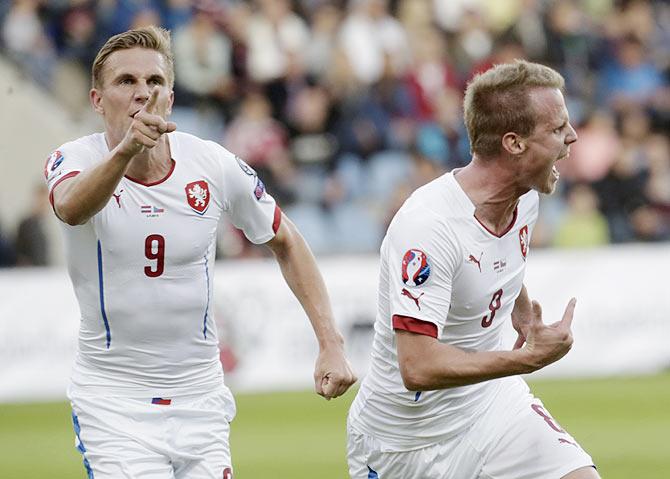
x=142, y=267
x=445, y=275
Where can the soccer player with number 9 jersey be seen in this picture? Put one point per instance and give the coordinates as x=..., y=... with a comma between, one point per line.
x=140, y=204
x=443, y=398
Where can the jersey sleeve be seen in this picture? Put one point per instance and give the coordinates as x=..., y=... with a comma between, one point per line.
x=249, y=206
x=421, y=258
x=67, y=161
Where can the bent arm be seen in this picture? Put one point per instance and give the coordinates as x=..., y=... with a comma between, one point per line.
x=427, y=364
x=332, y=375
x=77, y=199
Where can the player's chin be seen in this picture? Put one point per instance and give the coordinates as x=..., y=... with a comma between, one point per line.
x=548, y=186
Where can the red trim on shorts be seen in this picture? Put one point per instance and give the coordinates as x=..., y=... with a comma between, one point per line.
x=413, y=325
x=507, y=230
x=277, y=219
x=154, y=183
x=60, y=180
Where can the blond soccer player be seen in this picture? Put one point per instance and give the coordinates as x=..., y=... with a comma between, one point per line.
x=443, y=398
x=140, y=204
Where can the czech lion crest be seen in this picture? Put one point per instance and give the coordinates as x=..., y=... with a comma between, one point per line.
x=197, y=195
x=523, y=241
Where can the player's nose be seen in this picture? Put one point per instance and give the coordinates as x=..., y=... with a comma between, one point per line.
x=571, y=137
x=142, y=93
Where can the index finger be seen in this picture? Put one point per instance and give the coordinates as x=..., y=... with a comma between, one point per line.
x=151, y=104
x=569, y=313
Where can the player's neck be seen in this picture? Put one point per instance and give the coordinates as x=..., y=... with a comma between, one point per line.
x=151, y=165
x=493, y=190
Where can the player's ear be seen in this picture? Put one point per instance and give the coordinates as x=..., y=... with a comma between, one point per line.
x=96, y=101
x=513, y=144
x=170, y=103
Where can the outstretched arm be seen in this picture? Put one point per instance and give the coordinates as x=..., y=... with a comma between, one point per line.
x=332, y=374
x=77, y=199
x=427, y=364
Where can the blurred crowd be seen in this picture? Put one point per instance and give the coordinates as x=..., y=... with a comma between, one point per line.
x=345, y=107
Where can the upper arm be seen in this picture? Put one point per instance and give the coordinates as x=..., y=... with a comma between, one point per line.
x=59, y=191
x=60, y=169
x=419, y=264
x=416, y=353
x=284, y=237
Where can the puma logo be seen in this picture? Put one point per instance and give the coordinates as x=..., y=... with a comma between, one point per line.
x=415, y=299
x=118, y=198
x=471, y=259
x=565, y=441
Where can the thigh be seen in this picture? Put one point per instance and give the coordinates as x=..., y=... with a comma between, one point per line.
x=118, y=438
x=533, y=446
x=199, y=429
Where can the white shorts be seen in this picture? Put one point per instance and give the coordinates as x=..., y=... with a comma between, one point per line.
x=515, y=439
x=151, y=439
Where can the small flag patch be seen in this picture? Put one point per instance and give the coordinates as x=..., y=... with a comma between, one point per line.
x=161, y=401
x=151, y=211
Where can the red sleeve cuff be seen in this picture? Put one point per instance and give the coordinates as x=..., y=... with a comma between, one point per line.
x=277, y=219
x=60, y=180
x=414, y=325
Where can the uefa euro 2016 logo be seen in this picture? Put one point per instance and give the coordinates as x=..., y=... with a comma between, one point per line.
x=415, y=267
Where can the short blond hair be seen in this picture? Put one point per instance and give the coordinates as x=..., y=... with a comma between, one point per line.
x=497, y=102
x=151, y=37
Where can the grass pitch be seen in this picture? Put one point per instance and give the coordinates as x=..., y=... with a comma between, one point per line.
x=622, y=422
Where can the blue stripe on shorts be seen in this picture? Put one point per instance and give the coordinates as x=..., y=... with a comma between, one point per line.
x=80, y=446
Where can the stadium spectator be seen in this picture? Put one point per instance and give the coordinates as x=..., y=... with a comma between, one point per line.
x=442, y=397
x=629, y=79
x=582, y=226
x=277, y=39
x=177, y=13
x=140, y=206
x=373, y=41
x=32, y=245
x=203, y=60
x=256, y=136
x=595, y=152
x=322, y=47
x=431, y=75
x=27, y=43
x=621, y=192
x=7, y=252
x=658, y=185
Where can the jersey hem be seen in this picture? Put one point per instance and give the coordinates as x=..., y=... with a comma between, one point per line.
x=142, y=392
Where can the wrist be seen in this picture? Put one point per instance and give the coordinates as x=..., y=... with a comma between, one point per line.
x=122, y=154
x=526, y=361
x=332, y=341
